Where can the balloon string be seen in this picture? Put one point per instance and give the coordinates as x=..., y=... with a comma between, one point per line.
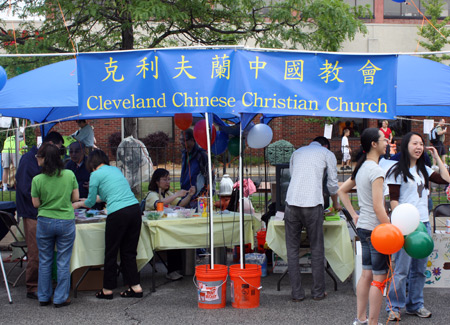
x=389, y=281
x=421, y=28
x=13, y=28
x=420, y=12
x=67, y=28
x=188, y=161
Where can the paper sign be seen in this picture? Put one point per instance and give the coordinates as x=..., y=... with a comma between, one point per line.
x=427, y=126
x=5, y=122
x=328, y=130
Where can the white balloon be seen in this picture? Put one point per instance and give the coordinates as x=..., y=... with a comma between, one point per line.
x=406, y=217
x=259, y=136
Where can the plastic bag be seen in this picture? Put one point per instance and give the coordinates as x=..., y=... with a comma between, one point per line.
x=134, y=161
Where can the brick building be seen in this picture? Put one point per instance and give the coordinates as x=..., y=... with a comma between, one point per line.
x=392, y=28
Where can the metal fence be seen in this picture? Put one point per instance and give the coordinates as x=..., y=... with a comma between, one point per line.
x=258, y=165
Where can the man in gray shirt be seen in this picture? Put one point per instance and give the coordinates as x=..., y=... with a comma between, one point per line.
x=85, y=135
x=304, y=208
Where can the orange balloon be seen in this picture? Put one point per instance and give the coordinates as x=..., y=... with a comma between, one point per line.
x=387, y=239
x=183, y=120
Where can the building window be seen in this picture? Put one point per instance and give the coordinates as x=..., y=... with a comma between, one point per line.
x=355, y=125
x=406, y=10
x=148, y=125
x=363, y=3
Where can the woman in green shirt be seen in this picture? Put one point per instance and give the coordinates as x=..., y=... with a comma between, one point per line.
x=52, y=193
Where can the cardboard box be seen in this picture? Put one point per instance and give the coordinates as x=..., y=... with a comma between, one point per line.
x=93, y=280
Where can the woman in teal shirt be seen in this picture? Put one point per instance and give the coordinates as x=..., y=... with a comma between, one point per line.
x=123, y=225
x=52, y=193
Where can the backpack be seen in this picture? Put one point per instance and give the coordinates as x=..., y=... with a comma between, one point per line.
x=142, y=204
x=433, y=136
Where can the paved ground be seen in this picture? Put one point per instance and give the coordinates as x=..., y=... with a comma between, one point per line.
x=176, y=303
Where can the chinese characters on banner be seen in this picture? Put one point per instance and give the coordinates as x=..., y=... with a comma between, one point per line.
x=232, y=81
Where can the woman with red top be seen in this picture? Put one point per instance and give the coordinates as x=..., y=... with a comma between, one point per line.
x=388, y=135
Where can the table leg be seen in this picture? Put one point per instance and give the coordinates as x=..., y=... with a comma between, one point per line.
x=281, y=278
x=327, y=269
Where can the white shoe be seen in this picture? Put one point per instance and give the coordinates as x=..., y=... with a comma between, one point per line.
x=421, y=312
x=174, y=276
x=358, y=322
x=394, y=316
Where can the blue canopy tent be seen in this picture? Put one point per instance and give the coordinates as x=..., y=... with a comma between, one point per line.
x=50, y=93
x=45, y=94
x=423, y=87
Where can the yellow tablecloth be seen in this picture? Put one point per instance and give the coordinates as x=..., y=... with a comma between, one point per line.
x=89, y=246
x=193, y=232
x=338, y=247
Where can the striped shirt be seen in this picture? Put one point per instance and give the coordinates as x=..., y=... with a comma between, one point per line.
x=307, y=167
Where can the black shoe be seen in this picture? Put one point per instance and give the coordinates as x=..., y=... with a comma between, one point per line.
x=320, y=297
x=65, y=303
x=44, y=303
x=298, y=299
x=32, y=295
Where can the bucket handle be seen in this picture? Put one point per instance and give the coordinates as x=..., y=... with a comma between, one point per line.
x=195, y=283
x=257, y=288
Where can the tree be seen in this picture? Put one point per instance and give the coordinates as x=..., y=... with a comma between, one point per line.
x=434, y=41
x=107, y=25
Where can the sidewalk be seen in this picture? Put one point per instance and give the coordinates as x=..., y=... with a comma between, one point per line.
x=176, y=303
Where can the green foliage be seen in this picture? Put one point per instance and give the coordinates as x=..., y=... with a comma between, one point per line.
x=434, y=41
x=107, y=25
x=30, y=136
x=322, y=120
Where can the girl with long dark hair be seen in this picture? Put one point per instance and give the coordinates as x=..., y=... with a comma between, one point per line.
x=409, y=182
x=52, y=193
x=368, y=177
x=159, y=188
x=123, y=225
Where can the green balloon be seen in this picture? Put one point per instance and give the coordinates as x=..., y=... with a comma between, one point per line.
x=418, y=244
x=422, y=227
x=233, y=146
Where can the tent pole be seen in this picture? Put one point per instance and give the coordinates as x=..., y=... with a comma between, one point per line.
x=122, y=130
x=241, y=208
x=211, y=202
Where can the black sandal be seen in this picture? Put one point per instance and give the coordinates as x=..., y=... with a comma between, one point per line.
x=130, y=293
x=102, y=295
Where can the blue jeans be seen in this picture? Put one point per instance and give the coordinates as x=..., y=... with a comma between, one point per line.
x=50, y=233
x=412, y=271
x=371, y=258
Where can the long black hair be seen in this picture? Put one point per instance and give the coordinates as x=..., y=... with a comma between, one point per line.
x=404, y=164
x=157, y=175
x=53, y=163
x=367, y=137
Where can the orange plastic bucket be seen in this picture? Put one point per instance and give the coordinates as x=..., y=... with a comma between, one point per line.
x=261, y=238
x=211, y=286
x=245, y=285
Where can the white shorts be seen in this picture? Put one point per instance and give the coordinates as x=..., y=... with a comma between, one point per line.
x=7, y=158
x=346, y=156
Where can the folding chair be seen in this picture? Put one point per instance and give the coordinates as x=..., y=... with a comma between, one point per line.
x=441, y=211
x=9, y=221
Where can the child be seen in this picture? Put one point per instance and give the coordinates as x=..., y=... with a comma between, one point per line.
x=346, y=158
